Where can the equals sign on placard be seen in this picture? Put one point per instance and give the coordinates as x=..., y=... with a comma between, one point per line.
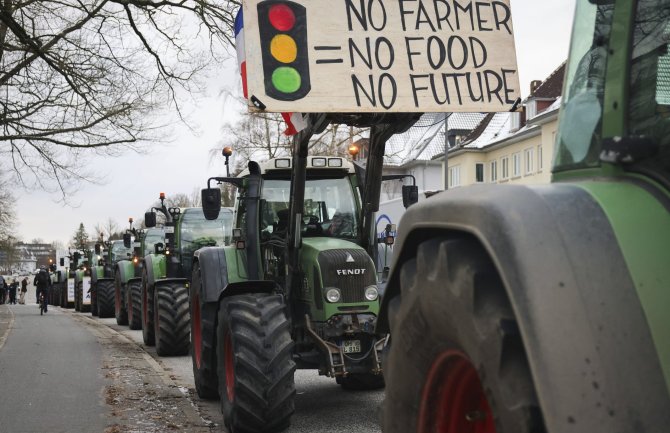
x=328, y=50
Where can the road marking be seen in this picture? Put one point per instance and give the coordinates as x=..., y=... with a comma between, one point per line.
x=4, y=336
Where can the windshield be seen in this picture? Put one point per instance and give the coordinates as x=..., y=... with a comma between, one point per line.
x=330, y=207
x=119, y=251
x=578, y=143
x=151, y=238
x=197, y=232
x=649, y=108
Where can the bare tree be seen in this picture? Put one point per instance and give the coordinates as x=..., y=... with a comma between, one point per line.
x=7, y=215
x=260, y=136
x=77, y=76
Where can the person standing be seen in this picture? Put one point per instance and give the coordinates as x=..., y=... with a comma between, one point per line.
x=12, y=291
x=24, y=289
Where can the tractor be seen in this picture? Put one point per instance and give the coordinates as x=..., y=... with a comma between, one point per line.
x=545, y=308
x=67, y=294
x=166, y=272
x=128, y=269
x=103, y=276
x=82, y=282
x=298, y=287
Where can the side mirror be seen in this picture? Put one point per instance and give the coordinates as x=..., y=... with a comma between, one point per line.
x=62, y=261
x=97, y=249
x=211, y=203
x=410, y=195
x=126, y=240
x=150, y=219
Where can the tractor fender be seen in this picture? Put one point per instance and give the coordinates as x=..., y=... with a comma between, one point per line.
x=125, y=270
x=589, y=347
x=214, y=277
x=97, y=272
x=153, y=264
x=182, y=281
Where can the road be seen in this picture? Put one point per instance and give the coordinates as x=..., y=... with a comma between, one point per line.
x=99, y=377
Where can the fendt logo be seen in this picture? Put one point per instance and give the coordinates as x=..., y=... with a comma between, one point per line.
x=350, y=271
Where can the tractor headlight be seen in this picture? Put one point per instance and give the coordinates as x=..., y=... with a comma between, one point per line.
x=333, y=295
x=371, y=293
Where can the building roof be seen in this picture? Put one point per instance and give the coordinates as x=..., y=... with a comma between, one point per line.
x=552, y=87
x=425, y=139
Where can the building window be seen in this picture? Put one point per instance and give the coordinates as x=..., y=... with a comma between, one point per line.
x=455, y=176
x=479, y=172
x=529, y=160
x=504, y=162
x=516, y=164
x=494, y=171
x=540, y=165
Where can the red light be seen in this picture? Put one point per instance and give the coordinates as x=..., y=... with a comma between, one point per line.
x=281, y=17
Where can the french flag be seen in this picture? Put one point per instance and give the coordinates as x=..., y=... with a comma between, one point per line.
x=294, y=121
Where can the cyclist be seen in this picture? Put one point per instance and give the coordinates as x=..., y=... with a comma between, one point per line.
x=42, y=282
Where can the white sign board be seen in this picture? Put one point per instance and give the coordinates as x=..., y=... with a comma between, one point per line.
x=86, y=288
x=380, y=55
x=70, y=289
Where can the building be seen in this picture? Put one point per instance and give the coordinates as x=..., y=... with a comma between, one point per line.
x=511, y=147
x=483, y=148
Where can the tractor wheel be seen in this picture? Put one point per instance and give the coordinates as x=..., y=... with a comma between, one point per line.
x=105, y=295
x=457, y=362
x=203, y=349
x=255, y=368
x=77, y=297
x=171, y=319
x=120, y=311
x=94, y=299
x=147, y=312
x=362, y=382
x=134, y=304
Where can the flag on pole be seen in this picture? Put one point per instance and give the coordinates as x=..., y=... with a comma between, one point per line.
x=294, y=121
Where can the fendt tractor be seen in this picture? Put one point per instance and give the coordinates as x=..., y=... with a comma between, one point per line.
x=298, y=286
x=103, y=276
x=127, y=269
x=517, y=309
x=167, y=271
x=130, y=271
x=82, y=282
x=70, y=263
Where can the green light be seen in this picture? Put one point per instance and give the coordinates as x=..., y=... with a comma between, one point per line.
x=286, y=79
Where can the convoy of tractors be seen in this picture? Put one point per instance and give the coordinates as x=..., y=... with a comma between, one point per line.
x=507, y=308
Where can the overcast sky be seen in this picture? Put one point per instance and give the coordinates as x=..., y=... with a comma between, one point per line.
x=132, y=182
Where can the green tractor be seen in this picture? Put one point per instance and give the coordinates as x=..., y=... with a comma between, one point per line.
x=128, y=276
x=103, y=276
x=166, y=273
x=82, y=283
x=298, y=287
x=67, y=294
x=545, y=308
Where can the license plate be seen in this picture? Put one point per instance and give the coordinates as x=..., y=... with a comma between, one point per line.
x=352, y=346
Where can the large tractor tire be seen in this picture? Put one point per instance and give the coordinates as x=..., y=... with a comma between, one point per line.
x=255, y=368
x=457, y=362
x=134, y=304
x=203, y=339
x=78, y=296
x=105, y=295
x=120, y=311
x=94, y=299
x=171, y=319
x=147, y=312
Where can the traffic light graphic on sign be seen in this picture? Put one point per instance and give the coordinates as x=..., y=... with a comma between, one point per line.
x=283, y=31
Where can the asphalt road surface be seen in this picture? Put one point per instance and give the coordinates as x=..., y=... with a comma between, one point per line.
x=49, y=373
x=71, y=372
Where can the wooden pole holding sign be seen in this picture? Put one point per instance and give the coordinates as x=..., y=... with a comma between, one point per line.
x=380, y=55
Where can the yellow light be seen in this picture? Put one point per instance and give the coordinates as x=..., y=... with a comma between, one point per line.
x=135, y=260
x=353, y=150
x=284, y=49
x=161, y=196
x=227, y=151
